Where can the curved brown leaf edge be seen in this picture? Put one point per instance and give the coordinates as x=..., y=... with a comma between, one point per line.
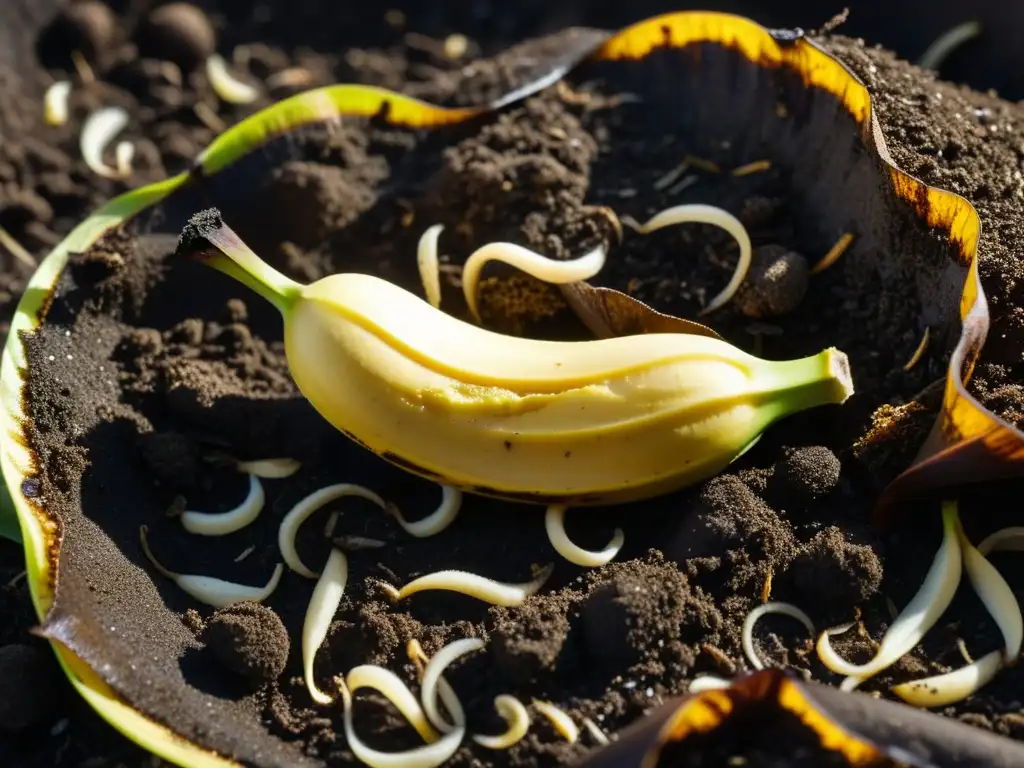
x=968, y=443
x=860, y=729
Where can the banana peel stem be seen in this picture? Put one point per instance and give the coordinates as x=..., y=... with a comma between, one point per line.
x=806, y=383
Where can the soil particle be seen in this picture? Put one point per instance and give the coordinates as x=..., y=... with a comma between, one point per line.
x=30, y=686
x=805, y=474
x=525, y=642
x=250, y=640
x=776, y=284
x=177, y=32
x=834, y=568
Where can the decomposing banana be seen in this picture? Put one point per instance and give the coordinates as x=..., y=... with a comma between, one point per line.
x=577, y=423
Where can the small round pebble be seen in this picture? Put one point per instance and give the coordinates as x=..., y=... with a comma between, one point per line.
x=87, y=26
x=805, y=474
x=249, y=639
x=776, y=284
x=178, y=32
x=30, y=686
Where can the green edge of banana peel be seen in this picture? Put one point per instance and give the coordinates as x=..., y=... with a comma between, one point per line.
x=581, y=423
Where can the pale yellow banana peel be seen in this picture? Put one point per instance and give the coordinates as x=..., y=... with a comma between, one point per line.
x=577, y=423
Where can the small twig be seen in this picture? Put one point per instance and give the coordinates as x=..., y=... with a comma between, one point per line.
x=17, y=250
x=919, y=352
x=766, y=590
x=830, y=258
x=758, y=166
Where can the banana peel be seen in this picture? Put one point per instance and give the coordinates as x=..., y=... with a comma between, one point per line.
x=967, y=444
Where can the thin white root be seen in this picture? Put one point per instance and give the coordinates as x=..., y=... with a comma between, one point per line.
x=17, y=250
x=270, y=469
x=917, y=618
x=1004, y=540
x=99, y=130
x=706, y=214
x=217, y=593
x=300, y=512
x=515, y=715
x=226, y=85
x=391, y=686
x=480, y=587
x=940, y=690
x=429, y=265
x=532, y=263
x=323, y=604
x=560, y=720
x=599, y=736
x=436, y=521
x=554, y=523
x=55, y=103
x=223, y=523
x=708, y=683
x=786, y=609
x=429, y=756
x=445, y=692
x=995, y=593
x=431, y=675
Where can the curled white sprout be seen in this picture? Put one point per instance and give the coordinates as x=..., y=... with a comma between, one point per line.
x=429, y=756
x=480, y=587
x=391, y=686
x=431, y=676
x=99, y=130
x=270, y=469
x=560, y=720
x=55, y=103
x=444, y=690
x=554, y=524
x=1003, y=540
x=515, y=716
x=706, y=214
x=217, y=593
x=532, y=263
x=708, y=683
x=951, y=687
x=785, y=609
x=323, y=604
x=226, y=85
x=222, y=523
x=436, y=521
x=916, y=619
x=306, y=507
x=429, y=265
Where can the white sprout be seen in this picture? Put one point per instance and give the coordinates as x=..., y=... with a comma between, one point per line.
x=560, y=720
x=785, y=609
x=706, y=214
x=220, y=524
x=947, y=42
x=917, y=618
x=432, y=673
x=530, y=262
x=516, y=717
x=226, y=85
x=480, y=587
x=554, y=524
x=208, y=590
x=1005, y=539
x=429, y=267
x=306, y=507
x=429, y=756
x=270, y=469
x=708, y=683
x=99, y=130
x=447, y=695
x=951, y=687
x=323, y=604
x=595, y=732
x=436, y=521
x=391, y=686
x=55, y=103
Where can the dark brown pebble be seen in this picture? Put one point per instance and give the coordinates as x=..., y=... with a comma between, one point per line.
x=250, y=640
x=776, y=283
x=30, y=686
x=805, y=474
x=88, y=27
x=178, y=32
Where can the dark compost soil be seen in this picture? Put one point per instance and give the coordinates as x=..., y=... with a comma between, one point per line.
x=145, y=369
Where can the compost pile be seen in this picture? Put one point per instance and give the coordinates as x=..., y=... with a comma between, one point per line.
x=146, y=373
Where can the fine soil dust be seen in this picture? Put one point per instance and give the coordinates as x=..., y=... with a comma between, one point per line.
x=147, y=374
